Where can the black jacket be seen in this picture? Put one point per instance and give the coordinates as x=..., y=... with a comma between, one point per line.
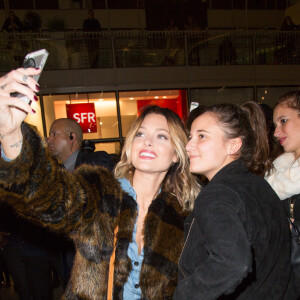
x=237, y=241
x=98, y=158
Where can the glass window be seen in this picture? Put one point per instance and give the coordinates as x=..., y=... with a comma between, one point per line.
x=270, y=95
x=222, y=95
x=98, y=119
x=24, y=4
x=132, y=102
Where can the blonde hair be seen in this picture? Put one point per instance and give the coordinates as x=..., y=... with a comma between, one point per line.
x=178, y=180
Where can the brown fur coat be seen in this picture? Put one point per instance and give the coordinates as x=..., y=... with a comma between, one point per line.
x=87, y=205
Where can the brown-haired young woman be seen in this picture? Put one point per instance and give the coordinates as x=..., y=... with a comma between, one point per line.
x=237, y=236
x=285, y=176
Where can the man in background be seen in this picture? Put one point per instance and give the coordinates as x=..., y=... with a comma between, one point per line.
x=65, y=142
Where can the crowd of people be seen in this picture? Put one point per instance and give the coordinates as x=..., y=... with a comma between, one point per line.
x=181, y=215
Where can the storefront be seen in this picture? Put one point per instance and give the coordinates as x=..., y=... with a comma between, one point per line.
x=105, y=117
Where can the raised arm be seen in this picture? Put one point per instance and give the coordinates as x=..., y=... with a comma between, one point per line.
x=13, y=111
x=33, y=182
x=37, y=187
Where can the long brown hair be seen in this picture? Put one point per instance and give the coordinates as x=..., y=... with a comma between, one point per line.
x=178, y=180
x=262, y=162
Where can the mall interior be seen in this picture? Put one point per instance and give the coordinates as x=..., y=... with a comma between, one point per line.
x=173, y=53
x=216, y=51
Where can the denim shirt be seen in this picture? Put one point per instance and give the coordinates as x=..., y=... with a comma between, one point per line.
x=132, y=289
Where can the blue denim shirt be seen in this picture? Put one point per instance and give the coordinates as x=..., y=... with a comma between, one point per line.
x=132, y=289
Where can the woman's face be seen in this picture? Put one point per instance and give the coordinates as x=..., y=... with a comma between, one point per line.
x=152, y=150
x=208, y=149
x=287, y=131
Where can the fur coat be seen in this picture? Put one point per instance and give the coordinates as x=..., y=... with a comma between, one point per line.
x=87, y=205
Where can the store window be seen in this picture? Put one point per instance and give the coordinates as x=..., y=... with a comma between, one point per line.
x=133, y=102
x=222, y=95
x=95, y=112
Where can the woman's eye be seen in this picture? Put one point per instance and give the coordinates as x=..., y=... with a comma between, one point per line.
x=201, y=136
x=283, y=121
x=139, y=134
x=162, y=137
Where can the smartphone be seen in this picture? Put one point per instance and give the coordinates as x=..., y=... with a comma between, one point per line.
x=36, y=59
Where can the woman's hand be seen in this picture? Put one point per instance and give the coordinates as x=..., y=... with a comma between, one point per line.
x=13, y=110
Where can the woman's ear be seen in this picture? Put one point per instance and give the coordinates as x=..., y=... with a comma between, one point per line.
x=175, y=159
x=234, y=146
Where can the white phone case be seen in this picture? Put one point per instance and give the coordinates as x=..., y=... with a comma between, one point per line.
x=36, y=59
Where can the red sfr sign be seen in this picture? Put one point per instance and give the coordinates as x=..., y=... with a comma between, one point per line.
x=84, y=114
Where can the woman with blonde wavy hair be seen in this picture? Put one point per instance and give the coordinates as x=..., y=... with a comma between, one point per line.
x=128, y=233
x=178, y=179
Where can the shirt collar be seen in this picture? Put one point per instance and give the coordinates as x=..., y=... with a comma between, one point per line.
x=127, y=188
x=69, y=164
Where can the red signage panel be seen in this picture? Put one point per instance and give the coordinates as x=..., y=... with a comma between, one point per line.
x=84, y=114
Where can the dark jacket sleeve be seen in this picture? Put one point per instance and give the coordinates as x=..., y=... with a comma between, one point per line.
x=98, y=158
x=39, y=189
x=218, y=215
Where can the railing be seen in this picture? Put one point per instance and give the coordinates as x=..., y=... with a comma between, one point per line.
x=79, y=50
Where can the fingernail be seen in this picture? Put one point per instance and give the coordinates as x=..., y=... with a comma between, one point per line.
x=35, y=98
x=37, y=68
x=33, y=111
x=37, y=87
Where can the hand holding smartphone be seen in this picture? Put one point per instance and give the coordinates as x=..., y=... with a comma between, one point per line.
x=36, y=59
